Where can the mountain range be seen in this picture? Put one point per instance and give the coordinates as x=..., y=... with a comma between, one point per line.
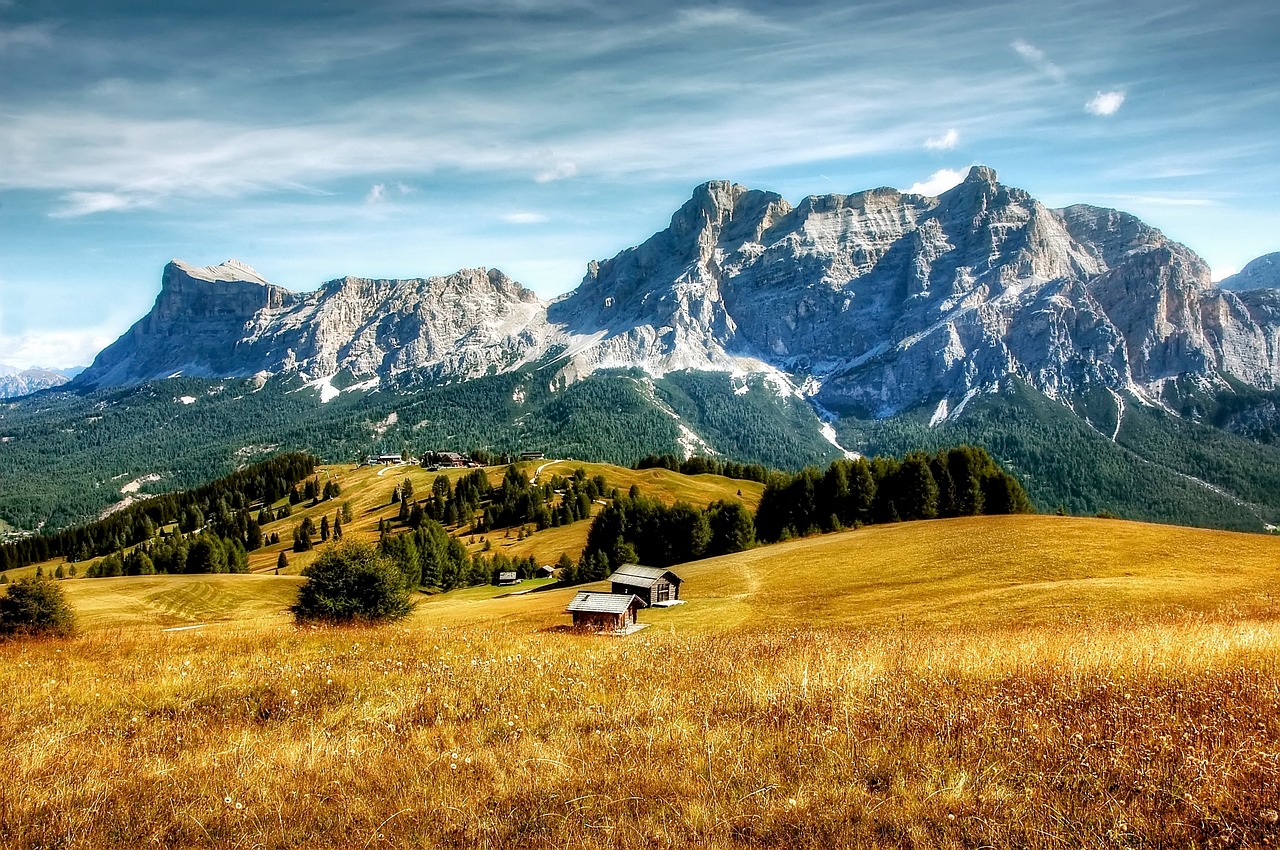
x=1083, y=347
x=15, y=382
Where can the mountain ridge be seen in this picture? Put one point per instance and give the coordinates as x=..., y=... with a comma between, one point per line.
x=875, y=302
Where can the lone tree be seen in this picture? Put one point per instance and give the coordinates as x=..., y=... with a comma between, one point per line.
x=352, y=582
x=36, y=606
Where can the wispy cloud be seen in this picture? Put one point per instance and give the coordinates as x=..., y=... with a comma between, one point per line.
x=556, y=169
x=24, y=35
x=75, y=204
x=947, y=141
x=1039, y=60
x=54, y=349
x=938, y=182
x=524, y=218
x=377, y=194
x=1105, y=103
x=724, y=17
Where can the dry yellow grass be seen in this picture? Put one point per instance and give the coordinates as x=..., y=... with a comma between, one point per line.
x=411, y=736
x=1004, y=682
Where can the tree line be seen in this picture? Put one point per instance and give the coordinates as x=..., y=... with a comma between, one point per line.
x=699, y=465
x=224, y=502
x=961, y=481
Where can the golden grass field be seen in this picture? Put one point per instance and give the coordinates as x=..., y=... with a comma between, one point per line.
x=989, y=682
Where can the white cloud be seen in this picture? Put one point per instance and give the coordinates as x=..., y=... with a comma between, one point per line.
x=558, y=170
x=938, y=182
x=377, y=194
x=947, y=141
x=75, y=204
x=1105, y=103
x=524, y=218
x=722, y=17
x=1039, y=60
x=59, y=349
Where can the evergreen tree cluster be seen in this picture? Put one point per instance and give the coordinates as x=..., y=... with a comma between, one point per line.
x=699, y=465
x=961, y=481
x=429, y=557
x=222, y=505
x=201, y=552
x=638, y=529
x=560, y=501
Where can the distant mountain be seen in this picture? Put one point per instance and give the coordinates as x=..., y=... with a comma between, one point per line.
x=874, y=303
x=16, y=382
x=1262, y=273
x=1079, y=345
x=226, y=320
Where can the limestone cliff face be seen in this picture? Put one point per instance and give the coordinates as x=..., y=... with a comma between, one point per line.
x=882, y=301
x=1262, y=273
x=875, y=302
x=226, y=321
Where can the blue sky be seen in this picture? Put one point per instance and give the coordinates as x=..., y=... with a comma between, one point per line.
x=392, y=138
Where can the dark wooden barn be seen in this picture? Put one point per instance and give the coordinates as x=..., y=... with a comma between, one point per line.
x=652, y=584
x=604, y=612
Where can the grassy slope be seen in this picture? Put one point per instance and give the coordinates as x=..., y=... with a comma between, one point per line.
x=988, y=571
x=1015, y=570
x=1033, y=682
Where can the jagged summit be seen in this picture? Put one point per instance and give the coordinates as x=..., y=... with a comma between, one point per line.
x=1262, y=273
x=877, y=302
x=231, y=270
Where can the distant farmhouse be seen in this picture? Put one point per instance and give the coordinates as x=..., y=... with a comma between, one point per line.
x=447, y=460
x=382, y=459
x=547, y=571
x=531, y=455
x=605, y=612
x=653, y=585
x=506, y=579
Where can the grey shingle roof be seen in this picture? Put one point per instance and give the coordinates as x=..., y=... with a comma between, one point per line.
x=602, y=603
x=638, y=576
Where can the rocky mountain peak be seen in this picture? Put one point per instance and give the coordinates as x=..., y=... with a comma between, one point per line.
x=230, y=271
x=1262, y=273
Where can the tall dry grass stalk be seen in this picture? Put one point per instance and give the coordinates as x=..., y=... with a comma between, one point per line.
x=1123, y=734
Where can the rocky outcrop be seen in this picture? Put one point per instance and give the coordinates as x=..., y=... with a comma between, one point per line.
x=226, y=321
x=876, y=302
x=1262, y=273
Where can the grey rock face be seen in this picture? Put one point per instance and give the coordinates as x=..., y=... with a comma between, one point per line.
x=875, y=302
x=887, y=301
x=1262, y=273
x=20, y=382
x=226, y=321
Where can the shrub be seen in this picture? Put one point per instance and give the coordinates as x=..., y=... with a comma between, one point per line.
x=36, y=606
x=352, y=582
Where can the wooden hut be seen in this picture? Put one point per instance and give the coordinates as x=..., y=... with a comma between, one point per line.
x=653, y=585
x=506, y=579
x=604, y=612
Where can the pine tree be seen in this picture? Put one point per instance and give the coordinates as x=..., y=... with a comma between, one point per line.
x=281, y=562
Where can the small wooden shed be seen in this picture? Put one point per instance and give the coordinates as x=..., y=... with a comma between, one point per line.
x=547, y=571
x=506, y=579
x=604, y=612
x=651, y=584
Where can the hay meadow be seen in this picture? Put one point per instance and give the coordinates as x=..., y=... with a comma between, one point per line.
x=984, y=682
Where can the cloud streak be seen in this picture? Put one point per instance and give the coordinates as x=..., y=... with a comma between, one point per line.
x=947, y=141
x=1038, y=59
